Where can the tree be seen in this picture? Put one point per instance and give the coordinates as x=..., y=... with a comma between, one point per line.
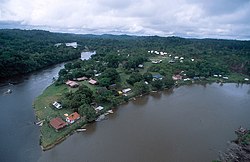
x=168, y=82
x=134, y=77
x=157, y=84
x=141, y=88
x=105, y=82
x=87, y=111
x=110, y=74
x=148, y=77
x=113, y=60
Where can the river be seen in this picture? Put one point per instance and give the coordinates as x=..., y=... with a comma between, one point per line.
x=189, y=123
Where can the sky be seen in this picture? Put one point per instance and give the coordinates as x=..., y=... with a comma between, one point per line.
x=226, y=19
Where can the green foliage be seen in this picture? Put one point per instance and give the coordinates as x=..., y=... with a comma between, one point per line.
x=113, y=60
x=105, y=82
x=141, y=88
x=74, y=100
x=134, y=61
x=110, y=75
x=87, y=111
x=26, y=51
x=168, y=82
x=134, y=77
x=157, y=84
x=148, y=77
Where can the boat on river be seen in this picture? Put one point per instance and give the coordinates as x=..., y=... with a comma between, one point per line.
x=81, y=130
x=241, y=131
x=9, y=91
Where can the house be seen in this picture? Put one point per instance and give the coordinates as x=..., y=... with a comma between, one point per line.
x=57, y=123
x=126, y=90
x=92, y=81
x=177, y=77
x=72, y=84
x=82, y=79
x=73, y=117
x=99, y=108
x=140, y=66
x=176, y=57
x=225, y=78
x=182, y=58
x=57, y=105
x=246, y=79
x=192, y=59
x=157, y=77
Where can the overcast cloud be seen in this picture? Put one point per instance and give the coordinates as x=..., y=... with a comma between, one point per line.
x=228, y=19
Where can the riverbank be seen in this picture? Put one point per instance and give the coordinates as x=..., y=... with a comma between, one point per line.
x=44, y=111
x=238, y=150
x=129, y=83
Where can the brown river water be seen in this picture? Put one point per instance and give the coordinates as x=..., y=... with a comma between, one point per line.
x=189, y=123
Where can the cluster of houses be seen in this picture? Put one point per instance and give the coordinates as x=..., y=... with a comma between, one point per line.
x=74, y=84
x=57, y=123
x=173, y=60
x=158, y=53
x=220, y=76
x=72, y=44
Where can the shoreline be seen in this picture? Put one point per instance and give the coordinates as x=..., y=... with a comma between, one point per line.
x=71, y=132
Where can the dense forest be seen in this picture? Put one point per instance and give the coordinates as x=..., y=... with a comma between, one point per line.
x=24, y=51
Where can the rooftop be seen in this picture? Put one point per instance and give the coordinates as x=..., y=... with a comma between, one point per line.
x=57, y=123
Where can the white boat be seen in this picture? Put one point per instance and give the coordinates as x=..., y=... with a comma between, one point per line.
x=110, y=111
x=9, y=91
x=40, y=123
x=81, y=130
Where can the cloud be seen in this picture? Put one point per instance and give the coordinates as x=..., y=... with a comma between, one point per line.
x=187, y=18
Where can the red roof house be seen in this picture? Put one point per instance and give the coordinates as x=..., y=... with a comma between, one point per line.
x=73, y=117
x=92, y=81
x=177, y=77
x=58, y=123
x=72, y=84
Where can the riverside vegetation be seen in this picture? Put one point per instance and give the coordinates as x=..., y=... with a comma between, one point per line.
x=142, y=64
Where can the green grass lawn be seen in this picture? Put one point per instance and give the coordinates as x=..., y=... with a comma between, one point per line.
x=45, y=111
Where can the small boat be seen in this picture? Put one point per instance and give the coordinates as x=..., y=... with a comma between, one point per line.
x=40, y=123
x=241, y=131
x=9, y=91
x=110, y=111
x=81, y=130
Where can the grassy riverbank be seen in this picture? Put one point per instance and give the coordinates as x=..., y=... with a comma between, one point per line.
x=45, y=111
